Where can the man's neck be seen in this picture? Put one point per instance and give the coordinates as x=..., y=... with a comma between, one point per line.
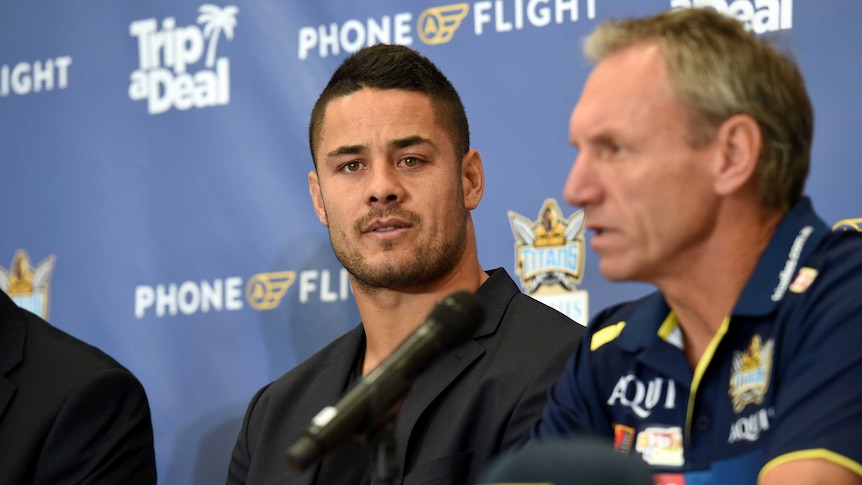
x=704, y=292
x=389, y=316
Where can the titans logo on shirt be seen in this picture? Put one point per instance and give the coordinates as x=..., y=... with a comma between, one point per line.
x=749, y=375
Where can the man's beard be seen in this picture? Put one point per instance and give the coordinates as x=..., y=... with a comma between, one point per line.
x=429, y=263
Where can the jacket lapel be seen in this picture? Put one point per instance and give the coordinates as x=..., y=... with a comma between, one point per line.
x=495, y=294
x=328, y=389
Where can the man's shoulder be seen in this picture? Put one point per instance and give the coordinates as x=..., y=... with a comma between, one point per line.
x=543, y=316
x=341, y=353
x=55, y=370
x=639, y=316
x=528, y=327
x=501, y=292
x=832, y=273
x=823, y=291
x=620, y=311
x=50, y=350
x=844, y=247
x=289, y=402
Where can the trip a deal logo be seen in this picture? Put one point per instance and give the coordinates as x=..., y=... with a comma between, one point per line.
x=28, y=285
x=261, y=291
x=439, y=24
x=178, y=66
x=549, y=258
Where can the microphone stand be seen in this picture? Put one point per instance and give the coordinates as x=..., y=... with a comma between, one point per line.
x=384, y=466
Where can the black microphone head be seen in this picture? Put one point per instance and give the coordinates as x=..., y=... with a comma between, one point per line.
x=574, y=461
x=458, y=316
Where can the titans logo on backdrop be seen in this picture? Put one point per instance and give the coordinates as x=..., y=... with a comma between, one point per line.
x=27, y=286
x=549, y=259
x=165, y=53
x=780, y=381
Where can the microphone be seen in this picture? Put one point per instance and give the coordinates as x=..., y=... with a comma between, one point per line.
x=452, y=320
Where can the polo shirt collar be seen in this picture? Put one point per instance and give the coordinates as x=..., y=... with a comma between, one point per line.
x=796, y=237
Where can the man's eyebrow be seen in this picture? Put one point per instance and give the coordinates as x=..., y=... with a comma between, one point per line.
x=410, y=141
x=346, y=150
x=395, y=144
x=605, y=136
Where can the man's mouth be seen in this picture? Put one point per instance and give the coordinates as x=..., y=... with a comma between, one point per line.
x=388, y=224
x=385, y=228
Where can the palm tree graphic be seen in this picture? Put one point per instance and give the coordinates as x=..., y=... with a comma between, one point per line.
x=216, y=20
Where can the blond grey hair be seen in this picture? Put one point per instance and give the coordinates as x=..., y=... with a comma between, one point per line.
x=718, y=69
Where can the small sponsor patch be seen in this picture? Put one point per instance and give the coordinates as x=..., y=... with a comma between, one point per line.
x=803, y=280
x=661, y=446
x=624, y=437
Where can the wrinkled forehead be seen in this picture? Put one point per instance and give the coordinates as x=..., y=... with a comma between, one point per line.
x=627, y=85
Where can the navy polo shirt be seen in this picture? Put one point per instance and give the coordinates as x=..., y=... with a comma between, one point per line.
x=782, y=379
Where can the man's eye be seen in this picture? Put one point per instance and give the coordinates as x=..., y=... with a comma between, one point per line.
x=609, y=150
x=410, y=162
x=352, y=166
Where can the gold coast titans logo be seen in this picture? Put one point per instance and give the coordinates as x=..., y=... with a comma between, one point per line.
x=26, y=285
x=549, y=258
x=750, y=373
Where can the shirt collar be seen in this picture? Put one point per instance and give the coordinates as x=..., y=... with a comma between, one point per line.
x=642, y=325
x=798, y=234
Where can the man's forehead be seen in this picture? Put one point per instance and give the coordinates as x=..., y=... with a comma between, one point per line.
x=392, y=117
x=626, y=83
x=375, y=97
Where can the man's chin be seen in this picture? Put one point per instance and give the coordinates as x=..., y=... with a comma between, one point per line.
x=614, y=271
x=385, y=276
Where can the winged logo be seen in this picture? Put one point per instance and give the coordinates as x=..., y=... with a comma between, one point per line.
x=437, y=25
x=264, y=291
x=550, y=250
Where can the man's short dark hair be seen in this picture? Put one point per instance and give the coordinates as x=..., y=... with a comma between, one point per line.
x=387, y=66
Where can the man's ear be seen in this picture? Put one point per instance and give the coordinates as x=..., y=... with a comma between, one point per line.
x=472, y=178
x=316, y=197
x=739, y=143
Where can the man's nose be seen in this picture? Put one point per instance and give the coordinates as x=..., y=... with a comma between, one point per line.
x=385, y=184
x=582, y=188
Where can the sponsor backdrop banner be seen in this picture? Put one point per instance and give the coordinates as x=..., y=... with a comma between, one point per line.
x=155, y=154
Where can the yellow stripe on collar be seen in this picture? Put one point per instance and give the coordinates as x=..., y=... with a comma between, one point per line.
x=606, y=335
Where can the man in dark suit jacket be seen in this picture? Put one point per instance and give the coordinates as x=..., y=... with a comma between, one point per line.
x=395, y=182
x=69, y=414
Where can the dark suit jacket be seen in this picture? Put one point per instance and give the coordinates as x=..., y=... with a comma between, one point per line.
x=69, y=414
x=467, y=406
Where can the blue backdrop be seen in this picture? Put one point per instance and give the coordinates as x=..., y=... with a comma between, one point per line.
x=154, y=198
